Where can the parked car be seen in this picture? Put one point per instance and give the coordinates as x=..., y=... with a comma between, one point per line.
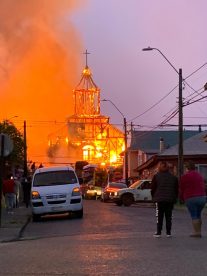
x=138, y=191
x=55, y=190
x=109, y=191
x=92, y=192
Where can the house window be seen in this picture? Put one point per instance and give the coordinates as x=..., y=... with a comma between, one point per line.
x=88, y=152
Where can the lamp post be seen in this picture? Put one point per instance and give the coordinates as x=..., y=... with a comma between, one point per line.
x=125, y=141
x=25, y=149
x=8, y=120
x=180, y=111
x=12, y=118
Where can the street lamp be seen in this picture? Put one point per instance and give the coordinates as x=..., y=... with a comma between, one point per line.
x=8, y=120
x=180, y=111
x=125, y=141
x=12, y=118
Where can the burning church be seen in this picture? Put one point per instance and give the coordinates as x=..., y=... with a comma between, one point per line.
x=88, y=135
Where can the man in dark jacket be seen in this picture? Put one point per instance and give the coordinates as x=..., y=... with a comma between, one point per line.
x=164, y=194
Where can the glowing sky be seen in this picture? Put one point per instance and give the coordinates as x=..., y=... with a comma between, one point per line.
x=115, y=31
x=41, y=46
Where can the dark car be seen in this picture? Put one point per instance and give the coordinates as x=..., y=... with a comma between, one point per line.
x=110, y=190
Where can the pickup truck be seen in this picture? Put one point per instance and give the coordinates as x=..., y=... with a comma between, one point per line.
x=138, y=191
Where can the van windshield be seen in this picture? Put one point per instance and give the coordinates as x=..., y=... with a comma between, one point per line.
x=54, y=178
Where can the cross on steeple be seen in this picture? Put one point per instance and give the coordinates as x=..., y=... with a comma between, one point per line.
x=86, y=53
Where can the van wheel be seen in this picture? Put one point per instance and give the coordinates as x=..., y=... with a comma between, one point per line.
x=127, y=199
x=79, y=214
x=36, y=218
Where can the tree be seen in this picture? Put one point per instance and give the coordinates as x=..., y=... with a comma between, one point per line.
x=16, y=158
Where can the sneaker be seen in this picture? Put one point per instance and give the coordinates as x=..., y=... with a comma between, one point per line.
x=157, y=235
x=169, y=236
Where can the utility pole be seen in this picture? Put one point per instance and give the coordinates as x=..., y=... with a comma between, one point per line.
x=125, y=165
x=25, y=149
x=180, y=110
x=180, y=126
x=125, y=152
x=1, y=171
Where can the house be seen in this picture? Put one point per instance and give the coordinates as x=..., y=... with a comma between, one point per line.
x=194, y=148
x=146, y=144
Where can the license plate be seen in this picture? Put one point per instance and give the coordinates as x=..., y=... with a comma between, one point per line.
x=56, y=209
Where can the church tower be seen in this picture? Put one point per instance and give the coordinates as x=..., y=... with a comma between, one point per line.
x=87, y=94
x=90, y=136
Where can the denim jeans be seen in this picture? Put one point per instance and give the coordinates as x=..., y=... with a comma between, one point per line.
x=10, y=201
x=195, y=206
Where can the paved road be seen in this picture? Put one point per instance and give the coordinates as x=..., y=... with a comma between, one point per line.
x=109, y=240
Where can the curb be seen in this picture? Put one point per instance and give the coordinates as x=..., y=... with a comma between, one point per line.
x=20, y=234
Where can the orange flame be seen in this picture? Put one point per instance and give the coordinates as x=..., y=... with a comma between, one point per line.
x=40, y=64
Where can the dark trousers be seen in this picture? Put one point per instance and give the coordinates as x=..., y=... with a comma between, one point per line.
x=164, y=209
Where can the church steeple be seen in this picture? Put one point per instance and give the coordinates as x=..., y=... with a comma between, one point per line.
x=87, y=94
x=86, y=53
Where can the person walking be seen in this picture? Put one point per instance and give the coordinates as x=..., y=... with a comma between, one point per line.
x=164, y=194
x=192, y=192
x=17, y=189
x=9, y=193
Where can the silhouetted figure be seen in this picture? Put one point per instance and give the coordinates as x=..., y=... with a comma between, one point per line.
x=33, y=167
x=26, y=185
x=164, y=194
x=41, y=165
x=17, y=191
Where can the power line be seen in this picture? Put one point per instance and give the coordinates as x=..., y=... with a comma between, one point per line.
x=184, y=80
x=154, y=104
x=188, y=103
x=196, y=92
x=188, y=100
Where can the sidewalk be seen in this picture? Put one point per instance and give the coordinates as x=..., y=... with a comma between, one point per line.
x=12, y=225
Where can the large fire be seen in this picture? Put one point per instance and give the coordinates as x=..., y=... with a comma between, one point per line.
x=39, y=64
x=89, y=135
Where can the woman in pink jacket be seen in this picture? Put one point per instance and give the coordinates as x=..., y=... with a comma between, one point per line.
x=192, y=191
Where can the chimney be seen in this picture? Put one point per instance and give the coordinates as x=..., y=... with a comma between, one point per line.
x=162, y=144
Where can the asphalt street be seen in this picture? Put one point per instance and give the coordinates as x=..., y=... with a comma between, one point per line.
x=109, y=240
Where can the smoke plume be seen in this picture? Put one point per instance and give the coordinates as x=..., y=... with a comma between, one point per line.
x=40, y=54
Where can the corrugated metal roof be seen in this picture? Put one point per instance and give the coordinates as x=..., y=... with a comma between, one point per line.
x=149, y=141
x=195, y=145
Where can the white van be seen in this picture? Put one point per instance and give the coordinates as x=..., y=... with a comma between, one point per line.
x=55, y=190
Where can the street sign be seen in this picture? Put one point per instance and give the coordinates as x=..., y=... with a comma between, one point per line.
x=7, y=145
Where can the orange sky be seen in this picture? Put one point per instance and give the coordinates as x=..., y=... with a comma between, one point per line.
x=40, y=54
